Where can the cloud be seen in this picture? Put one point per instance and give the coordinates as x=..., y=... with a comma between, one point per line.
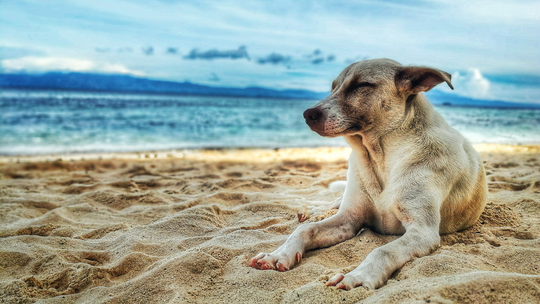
x=125, y=50
x=148, y=50
x=216, y=54
x=317, y=60
x=317, y=57
x=109, y=50
x=102, y=50
x=390, y=29
x=46, y=64
x=274, y=58
x=7, y=52
x=315, y=53
x=172, y=50
x=471, y=84
x=214, y=77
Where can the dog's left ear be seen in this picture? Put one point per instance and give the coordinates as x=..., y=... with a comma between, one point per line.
x=420, y=79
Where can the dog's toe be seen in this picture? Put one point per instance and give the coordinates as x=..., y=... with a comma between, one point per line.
x=266, y=261
x=281, y=267
x=302, y=216
x=263, y=261
x=263, y=265
x=342, y=286
x=335, y=279
x=347, y=282
x=253, y=263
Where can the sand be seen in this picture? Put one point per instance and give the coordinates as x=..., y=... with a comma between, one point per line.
x=180, y=227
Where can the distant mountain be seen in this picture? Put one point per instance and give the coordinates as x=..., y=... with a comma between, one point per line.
x=125, y=83
x=444, y=99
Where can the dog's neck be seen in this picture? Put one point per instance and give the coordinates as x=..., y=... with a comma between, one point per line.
x=369, y=155
x=370, y=147
x=419, y=115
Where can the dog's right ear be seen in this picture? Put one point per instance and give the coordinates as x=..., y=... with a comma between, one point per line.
x=414, y=80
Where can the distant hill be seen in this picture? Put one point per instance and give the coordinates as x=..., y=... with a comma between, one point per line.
x=444, y=99
x=125, y=83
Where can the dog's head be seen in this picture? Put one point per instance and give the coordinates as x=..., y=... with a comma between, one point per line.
x=370, y=94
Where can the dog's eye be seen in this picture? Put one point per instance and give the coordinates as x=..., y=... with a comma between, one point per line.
x=359, y=85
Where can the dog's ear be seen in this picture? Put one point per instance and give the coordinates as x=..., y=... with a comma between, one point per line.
x=420, y=79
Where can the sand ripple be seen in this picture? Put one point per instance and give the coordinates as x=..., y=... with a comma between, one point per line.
x=181, y=230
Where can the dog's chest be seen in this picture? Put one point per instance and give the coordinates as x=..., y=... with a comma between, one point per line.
x=374, y=175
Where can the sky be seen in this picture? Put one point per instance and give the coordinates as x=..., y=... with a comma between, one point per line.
x=491, y=48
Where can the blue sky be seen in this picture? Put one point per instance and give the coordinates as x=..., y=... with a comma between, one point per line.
x=492, y=48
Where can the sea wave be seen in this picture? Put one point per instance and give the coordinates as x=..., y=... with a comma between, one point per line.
x=45, y=122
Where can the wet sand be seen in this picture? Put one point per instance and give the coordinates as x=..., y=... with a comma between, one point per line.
x=180, y=227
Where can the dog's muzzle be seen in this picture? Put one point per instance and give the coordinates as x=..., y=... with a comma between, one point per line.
x=314, y=119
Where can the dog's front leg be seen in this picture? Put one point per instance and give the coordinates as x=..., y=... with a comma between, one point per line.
x=421, y=236
x=335, y=229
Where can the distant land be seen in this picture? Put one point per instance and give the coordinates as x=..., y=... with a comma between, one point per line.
x=126, y=83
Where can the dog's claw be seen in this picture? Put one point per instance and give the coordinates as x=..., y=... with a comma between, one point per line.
x=281, y=267
x=264, y=266
x=302, y=217
x=335, y=280
x=341, y=286
x=253, y=263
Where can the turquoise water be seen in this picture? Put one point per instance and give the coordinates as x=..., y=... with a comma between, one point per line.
x=44, y=122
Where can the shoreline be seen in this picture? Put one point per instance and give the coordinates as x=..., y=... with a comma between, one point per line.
x=328, y=153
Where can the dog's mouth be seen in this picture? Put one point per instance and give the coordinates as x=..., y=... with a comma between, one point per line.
x=353, y=129
x=337, y=133
x=328, y=125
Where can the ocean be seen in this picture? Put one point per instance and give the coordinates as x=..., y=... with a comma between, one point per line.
x=54, y=122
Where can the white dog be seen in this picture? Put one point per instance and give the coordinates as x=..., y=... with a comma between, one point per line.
x=409, y=172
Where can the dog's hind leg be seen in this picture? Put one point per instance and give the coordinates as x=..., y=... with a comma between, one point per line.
x=335, y=229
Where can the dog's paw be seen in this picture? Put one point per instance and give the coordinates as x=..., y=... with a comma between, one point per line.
x=350, y=281
x=280, y=262
x=303, y=215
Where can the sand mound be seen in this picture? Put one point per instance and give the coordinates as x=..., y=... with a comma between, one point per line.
x=181, y=230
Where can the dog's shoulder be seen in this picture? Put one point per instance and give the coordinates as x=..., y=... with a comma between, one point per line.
x=436, y=147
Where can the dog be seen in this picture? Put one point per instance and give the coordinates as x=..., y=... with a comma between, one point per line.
x=409, y=172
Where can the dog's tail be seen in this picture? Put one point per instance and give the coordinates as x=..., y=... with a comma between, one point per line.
x=337, y=186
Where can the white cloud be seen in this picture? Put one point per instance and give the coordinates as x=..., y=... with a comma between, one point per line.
x=495, y=36
x=474, y=84
x=471, y=84
x=45, y=64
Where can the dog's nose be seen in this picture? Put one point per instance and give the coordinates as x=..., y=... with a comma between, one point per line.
x=312, y=114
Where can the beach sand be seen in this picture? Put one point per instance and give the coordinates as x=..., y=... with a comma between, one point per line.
x=180, y=227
